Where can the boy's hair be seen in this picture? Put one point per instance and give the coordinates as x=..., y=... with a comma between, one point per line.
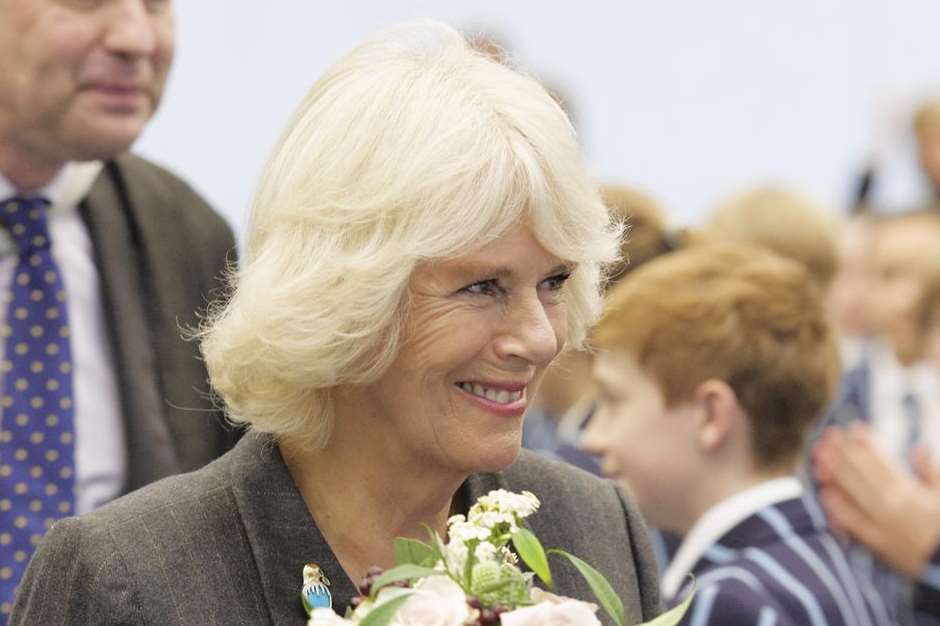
x=786, y=222
x=738, y=314
x=646, y=236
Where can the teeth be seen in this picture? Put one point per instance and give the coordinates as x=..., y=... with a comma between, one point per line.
x=499, y=396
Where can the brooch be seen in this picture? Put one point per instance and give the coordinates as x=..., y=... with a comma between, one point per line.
x=315, y=592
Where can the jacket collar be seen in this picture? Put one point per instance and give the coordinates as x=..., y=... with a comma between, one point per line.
x=283, y=536
x=112, y=229
x=734, y=524
x=770, y=525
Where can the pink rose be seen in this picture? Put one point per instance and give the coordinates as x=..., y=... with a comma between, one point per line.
x=552, y=610
x=438, y=601
x=326, y=617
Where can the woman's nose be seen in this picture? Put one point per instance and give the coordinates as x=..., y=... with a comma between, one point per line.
x=532, y=333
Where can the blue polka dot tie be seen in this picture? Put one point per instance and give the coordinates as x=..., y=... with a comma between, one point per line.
x=37, y=435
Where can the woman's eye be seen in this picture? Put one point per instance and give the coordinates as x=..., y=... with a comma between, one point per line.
x=483, y=288
x=556, y=282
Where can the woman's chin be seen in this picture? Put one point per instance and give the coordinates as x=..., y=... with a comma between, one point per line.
x=496, y=457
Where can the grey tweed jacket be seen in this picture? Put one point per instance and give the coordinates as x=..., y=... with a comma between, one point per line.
x=226, y=545
x=160, y=251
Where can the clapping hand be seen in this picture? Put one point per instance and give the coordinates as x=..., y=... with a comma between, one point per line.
x=878, y=502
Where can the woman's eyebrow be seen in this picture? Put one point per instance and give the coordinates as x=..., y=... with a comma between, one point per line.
x=564, y=267
x=468, y=269
x=480, y=270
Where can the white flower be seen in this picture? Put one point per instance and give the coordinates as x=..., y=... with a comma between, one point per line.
x=437, y=601
x=552, y=610
x=486, y=552
x=455, y=554
x=326, y=617
x=521, y=504
x=492, y=519
x=463, y=532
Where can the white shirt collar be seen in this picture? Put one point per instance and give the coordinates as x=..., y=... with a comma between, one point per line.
x=721, y=518
x=64, y=192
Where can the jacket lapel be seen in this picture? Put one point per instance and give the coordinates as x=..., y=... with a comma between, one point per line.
x=151, y=454
x=281, y=532
x=284, y=537
x=171, y=283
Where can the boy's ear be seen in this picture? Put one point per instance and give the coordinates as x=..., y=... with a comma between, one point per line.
x=719, y=413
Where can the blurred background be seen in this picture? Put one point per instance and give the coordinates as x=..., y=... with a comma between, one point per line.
x=686, y=100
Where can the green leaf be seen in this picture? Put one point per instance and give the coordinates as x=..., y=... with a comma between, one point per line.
x=532, y=554
x=383, y=613
x=604, y=593
x=438, y=549
x=674, y=615
x=399, y=573
x=412, y=551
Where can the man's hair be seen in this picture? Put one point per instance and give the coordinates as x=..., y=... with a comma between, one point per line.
x=738, y=314
x=786, y=222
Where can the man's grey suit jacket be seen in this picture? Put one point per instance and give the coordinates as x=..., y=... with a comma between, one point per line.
x=227, y=544
x=161, y=252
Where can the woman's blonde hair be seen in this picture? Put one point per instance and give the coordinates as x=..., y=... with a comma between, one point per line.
x=412, y=148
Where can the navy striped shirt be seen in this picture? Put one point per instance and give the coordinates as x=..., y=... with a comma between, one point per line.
x=927, y=593
x=781, y=567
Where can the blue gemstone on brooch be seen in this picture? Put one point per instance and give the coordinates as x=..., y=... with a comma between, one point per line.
x=316, y=590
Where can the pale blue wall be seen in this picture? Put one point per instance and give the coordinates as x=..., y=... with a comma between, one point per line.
x=689, y=99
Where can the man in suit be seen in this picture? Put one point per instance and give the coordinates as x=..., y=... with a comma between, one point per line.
x=713, y=363
x=104, y=258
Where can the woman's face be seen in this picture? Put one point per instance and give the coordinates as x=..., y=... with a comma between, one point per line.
x=483, y=327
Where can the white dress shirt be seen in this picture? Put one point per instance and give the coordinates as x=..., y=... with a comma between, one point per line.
x=718, y=520
x=890, y=381
x=100, y=453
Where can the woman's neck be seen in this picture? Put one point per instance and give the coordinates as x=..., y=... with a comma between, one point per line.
x=362, y=498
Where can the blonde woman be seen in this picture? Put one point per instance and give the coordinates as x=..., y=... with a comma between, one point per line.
x=424, y=242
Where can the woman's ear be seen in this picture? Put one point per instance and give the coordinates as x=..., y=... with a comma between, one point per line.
x=719, y=414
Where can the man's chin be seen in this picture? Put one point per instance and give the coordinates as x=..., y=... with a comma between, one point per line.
x=103, y=142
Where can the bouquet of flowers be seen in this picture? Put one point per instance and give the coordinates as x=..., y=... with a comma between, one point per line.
x=475, y=579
